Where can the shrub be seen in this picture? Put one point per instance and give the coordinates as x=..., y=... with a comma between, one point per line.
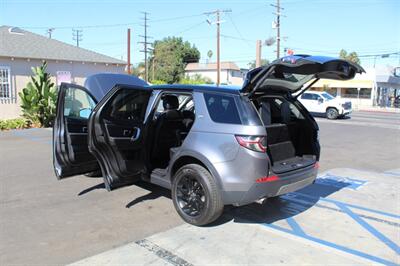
x=16, y=123
x=39, y=98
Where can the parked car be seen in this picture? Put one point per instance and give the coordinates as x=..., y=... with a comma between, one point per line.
x=322, y=103
x=212, y=146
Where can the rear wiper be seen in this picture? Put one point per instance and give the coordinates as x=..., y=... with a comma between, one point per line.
x=306, y=88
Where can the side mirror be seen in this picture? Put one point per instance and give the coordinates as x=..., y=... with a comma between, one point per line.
x=320, y=100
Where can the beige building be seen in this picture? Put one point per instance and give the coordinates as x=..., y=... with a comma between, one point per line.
x=230, y=72
x=21, y=50
x=377, y=87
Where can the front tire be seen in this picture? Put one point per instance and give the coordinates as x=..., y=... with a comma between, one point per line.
x=196, y=196
x=332, y=113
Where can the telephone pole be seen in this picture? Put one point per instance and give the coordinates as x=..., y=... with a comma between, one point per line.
x=278, y=26
x=77, y=36
x=218, y=22
x=129, y=50
x=145, y=43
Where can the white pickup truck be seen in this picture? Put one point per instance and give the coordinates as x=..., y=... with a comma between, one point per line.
x=321, y=102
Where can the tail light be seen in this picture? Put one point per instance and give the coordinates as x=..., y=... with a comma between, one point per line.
x=254, y=143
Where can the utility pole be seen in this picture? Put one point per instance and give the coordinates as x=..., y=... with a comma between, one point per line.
x=218, y=22
x=50, y=31
x=77, y=36
x=129, y=50
x=258, y=53
x=145, y=43
x=278, y=26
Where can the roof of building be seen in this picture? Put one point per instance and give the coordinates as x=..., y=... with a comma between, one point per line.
x=18, y=43
x=211, y=66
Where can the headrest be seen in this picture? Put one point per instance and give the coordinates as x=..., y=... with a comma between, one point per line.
x=170, y=102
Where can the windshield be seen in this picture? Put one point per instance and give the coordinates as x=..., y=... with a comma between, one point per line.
x=327, y=96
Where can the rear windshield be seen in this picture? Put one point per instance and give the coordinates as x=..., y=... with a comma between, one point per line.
x=231, y=109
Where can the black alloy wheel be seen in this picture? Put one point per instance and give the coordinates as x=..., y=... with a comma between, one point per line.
x=196, y=195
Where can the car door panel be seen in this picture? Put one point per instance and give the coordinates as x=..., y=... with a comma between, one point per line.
x=116, y=134
x=71, y=155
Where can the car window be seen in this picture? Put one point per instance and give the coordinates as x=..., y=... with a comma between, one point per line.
x=222, y=108
x=128, y=104
x=306, y=96
x=294, y=111
x=78, y=103
x=327, y=96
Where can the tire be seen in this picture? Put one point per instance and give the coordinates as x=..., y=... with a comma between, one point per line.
x=196, y=196
x=332, y=113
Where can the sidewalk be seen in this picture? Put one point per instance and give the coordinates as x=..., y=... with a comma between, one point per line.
x=377, y=109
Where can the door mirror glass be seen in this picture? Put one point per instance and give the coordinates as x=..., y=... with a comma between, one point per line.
x=320, y=100
x=78, y=103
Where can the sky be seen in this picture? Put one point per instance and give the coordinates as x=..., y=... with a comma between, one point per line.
x=318, y=27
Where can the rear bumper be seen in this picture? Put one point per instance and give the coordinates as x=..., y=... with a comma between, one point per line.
x=288, y=182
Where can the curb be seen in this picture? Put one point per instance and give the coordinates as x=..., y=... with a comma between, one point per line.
x=379, y=111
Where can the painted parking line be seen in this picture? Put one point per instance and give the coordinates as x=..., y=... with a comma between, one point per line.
x=297, y=230
x=162, y=253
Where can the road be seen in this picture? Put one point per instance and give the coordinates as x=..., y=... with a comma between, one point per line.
x=367, y=140
x=45, y=221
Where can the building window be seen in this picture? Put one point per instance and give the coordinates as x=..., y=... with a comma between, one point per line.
x=5, y=83
x=365, y=93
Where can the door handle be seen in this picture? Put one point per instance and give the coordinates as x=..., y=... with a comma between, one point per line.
x=136, y=135
x=84, y=130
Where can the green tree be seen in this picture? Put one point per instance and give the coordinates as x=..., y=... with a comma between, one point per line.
x=39, y=98
x=252, y=64
x=353, y=57
x=195, y=80
x=138, y=71
x=170, y=57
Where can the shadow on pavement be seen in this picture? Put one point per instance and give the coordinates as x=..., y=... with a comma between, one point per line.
x=274, y=209
x=98, y=186
x=155, y=192
x=279, y=208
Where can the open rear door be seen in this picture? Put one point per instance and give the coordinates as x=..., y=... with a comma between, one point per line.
x=117, y=134
x=71, y=155
x=294, y=74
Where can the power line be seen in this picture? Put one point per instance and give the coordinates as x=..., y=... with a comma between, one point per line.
x=237, y=30
x=112, y=25
x=191, y=27
x=77, y=36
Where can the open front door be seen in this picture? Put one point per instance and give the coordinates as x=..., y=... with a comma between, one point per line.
x=117, y=134
x=71, y=155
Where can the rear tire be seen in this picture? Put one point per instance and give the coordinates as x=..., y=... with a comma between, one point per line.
x=196, y=196
x=332, y=113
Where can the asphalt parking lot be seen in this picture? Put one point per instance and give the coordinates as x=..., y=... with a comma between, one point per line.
x=351, y=215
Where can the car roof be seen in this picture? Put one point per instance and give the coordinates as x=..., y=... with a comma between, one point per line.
x=200, y=88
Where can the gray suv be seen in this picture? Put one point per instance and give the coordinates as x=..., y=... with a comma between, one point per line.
x=211, y=146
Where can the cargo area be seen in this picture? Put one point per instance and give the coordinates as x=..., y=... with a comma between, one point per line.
x=291, y=136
